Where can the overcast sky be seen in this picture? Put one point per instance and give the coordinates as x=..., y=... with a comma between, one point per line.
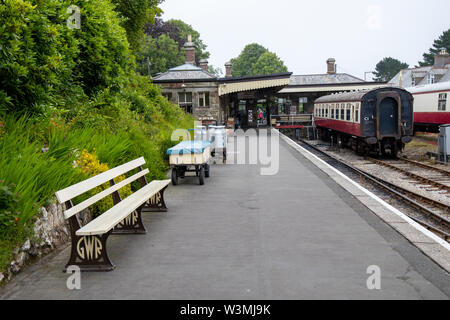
x=304, y=34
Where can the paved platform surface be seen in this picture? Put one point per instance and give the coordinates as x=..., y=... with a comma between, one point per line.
x=295, y=235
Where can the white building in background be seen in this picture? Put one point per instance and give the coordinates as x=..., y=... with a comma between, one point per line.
x=437, y=73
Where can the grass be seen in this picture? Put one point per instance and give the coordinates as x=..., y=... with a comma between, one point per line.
x=34, y=175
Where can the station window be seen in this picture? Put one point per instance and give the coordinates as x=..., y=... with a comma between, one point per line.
x=442, y=102
x=185, y=101
x=430, y=78
x=203, y=99
x=167, y=95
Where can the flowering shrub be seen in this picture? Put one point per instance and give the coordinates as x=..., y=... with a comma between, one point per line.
x=89, y=164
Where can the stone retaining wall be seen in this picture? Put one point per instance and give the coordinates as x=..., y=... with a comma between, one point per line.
x=51, y=231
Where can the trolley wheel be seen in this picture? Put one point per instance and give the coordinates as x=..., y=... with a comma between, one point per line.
x=174, y=177
x=201, y=176
x=207, y=170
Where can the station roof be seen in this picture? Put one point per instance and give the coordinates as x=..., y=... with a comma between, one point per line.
x=185, y=72
x=327, y=83
x=275, y=81
x=318, y=79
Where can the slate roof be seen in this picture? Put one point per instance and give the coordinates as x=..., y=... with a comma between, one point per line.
x=320, y=79
x=185, y=72
x=420, y=74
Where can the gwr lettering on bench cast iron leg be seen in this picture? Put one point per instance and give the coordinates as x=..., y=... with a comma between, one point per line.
x=131, y=224
x=88, y=252
x=157, y=203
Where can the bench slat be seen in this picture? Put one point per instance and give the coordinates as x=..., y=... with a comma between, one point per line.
x=123, y=209
x=89, y=184
x=89, y=202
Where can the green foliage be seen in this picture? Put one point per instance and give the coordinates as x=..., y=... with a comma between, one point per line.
x=268, y=63
x=8, y=213
x=388, y=68
x=164, y=46
x=215, y=71
x=105, y=59
x=443, y=42
x=163, y=52
x=137, y=13
x=185, y=30
x=37, y=54
x=257, y=60
x=63, y=91
x=243, y=64
x=44, y=63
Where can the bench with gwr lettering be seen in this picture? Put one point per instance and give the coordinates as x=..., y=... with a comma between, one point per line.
x=125, y=217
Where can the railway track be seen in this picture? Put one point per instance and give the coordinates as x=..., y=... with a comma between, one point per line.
x=434, y=215
x=431, y=177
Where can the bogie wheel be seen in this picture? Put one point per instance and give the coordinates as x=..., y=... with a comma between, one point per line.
x=201, y=176
x=394, y=151
x=174, y=177
x=207, y=171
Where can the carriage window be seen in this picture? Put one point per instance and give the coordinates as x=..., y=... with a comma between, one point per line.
x=353, y=113
x=332, y=113
x=326, y=111
x=348, y=111
x=442, y=102
x=343, y=112
x=357, y=115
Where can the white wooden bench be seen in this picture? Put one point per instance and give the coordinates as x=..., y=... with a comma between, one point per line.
x=89, y=241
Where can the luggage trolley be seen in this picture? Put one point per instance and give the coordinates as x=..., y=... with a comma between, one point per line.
x=190, y=156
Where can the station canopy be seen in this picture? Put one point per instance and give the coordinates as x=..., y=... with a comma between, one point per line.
x=274, y=82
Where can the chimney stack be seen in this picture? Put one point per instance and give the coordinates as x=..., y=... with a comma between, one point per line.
x=441, y=59
x=228, y=69
x=190, y=51
x=331, y=66
x=204, y=64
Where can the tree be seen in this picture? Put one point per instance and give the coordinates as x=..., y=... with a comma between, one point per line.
x=242, y=65
x=442, y=43
x=184, y=31
x=163, y=53
x=136, y=14
x=215, y=71
x=268, y=63
x=178, y=31
x=387, y=68
x=257, y=60
x=42, y=62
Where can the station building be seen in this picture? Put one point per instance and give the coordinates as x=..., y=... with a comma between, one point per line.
x=413, y=77
x=236, y=100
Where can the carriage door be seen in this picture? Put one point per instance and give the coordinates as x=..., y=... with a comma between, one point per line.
x=388, y=115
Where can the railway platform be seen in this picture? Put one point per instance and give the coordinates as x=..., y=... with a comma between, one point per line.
x=294, y=235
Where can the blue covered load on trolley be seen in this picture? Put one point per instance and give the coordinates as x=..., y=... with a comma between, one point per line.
x=368, y=121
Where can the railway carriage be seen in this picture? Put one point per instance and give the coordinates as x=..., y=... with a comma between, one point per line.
x=431, y=106
x=369, y=121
